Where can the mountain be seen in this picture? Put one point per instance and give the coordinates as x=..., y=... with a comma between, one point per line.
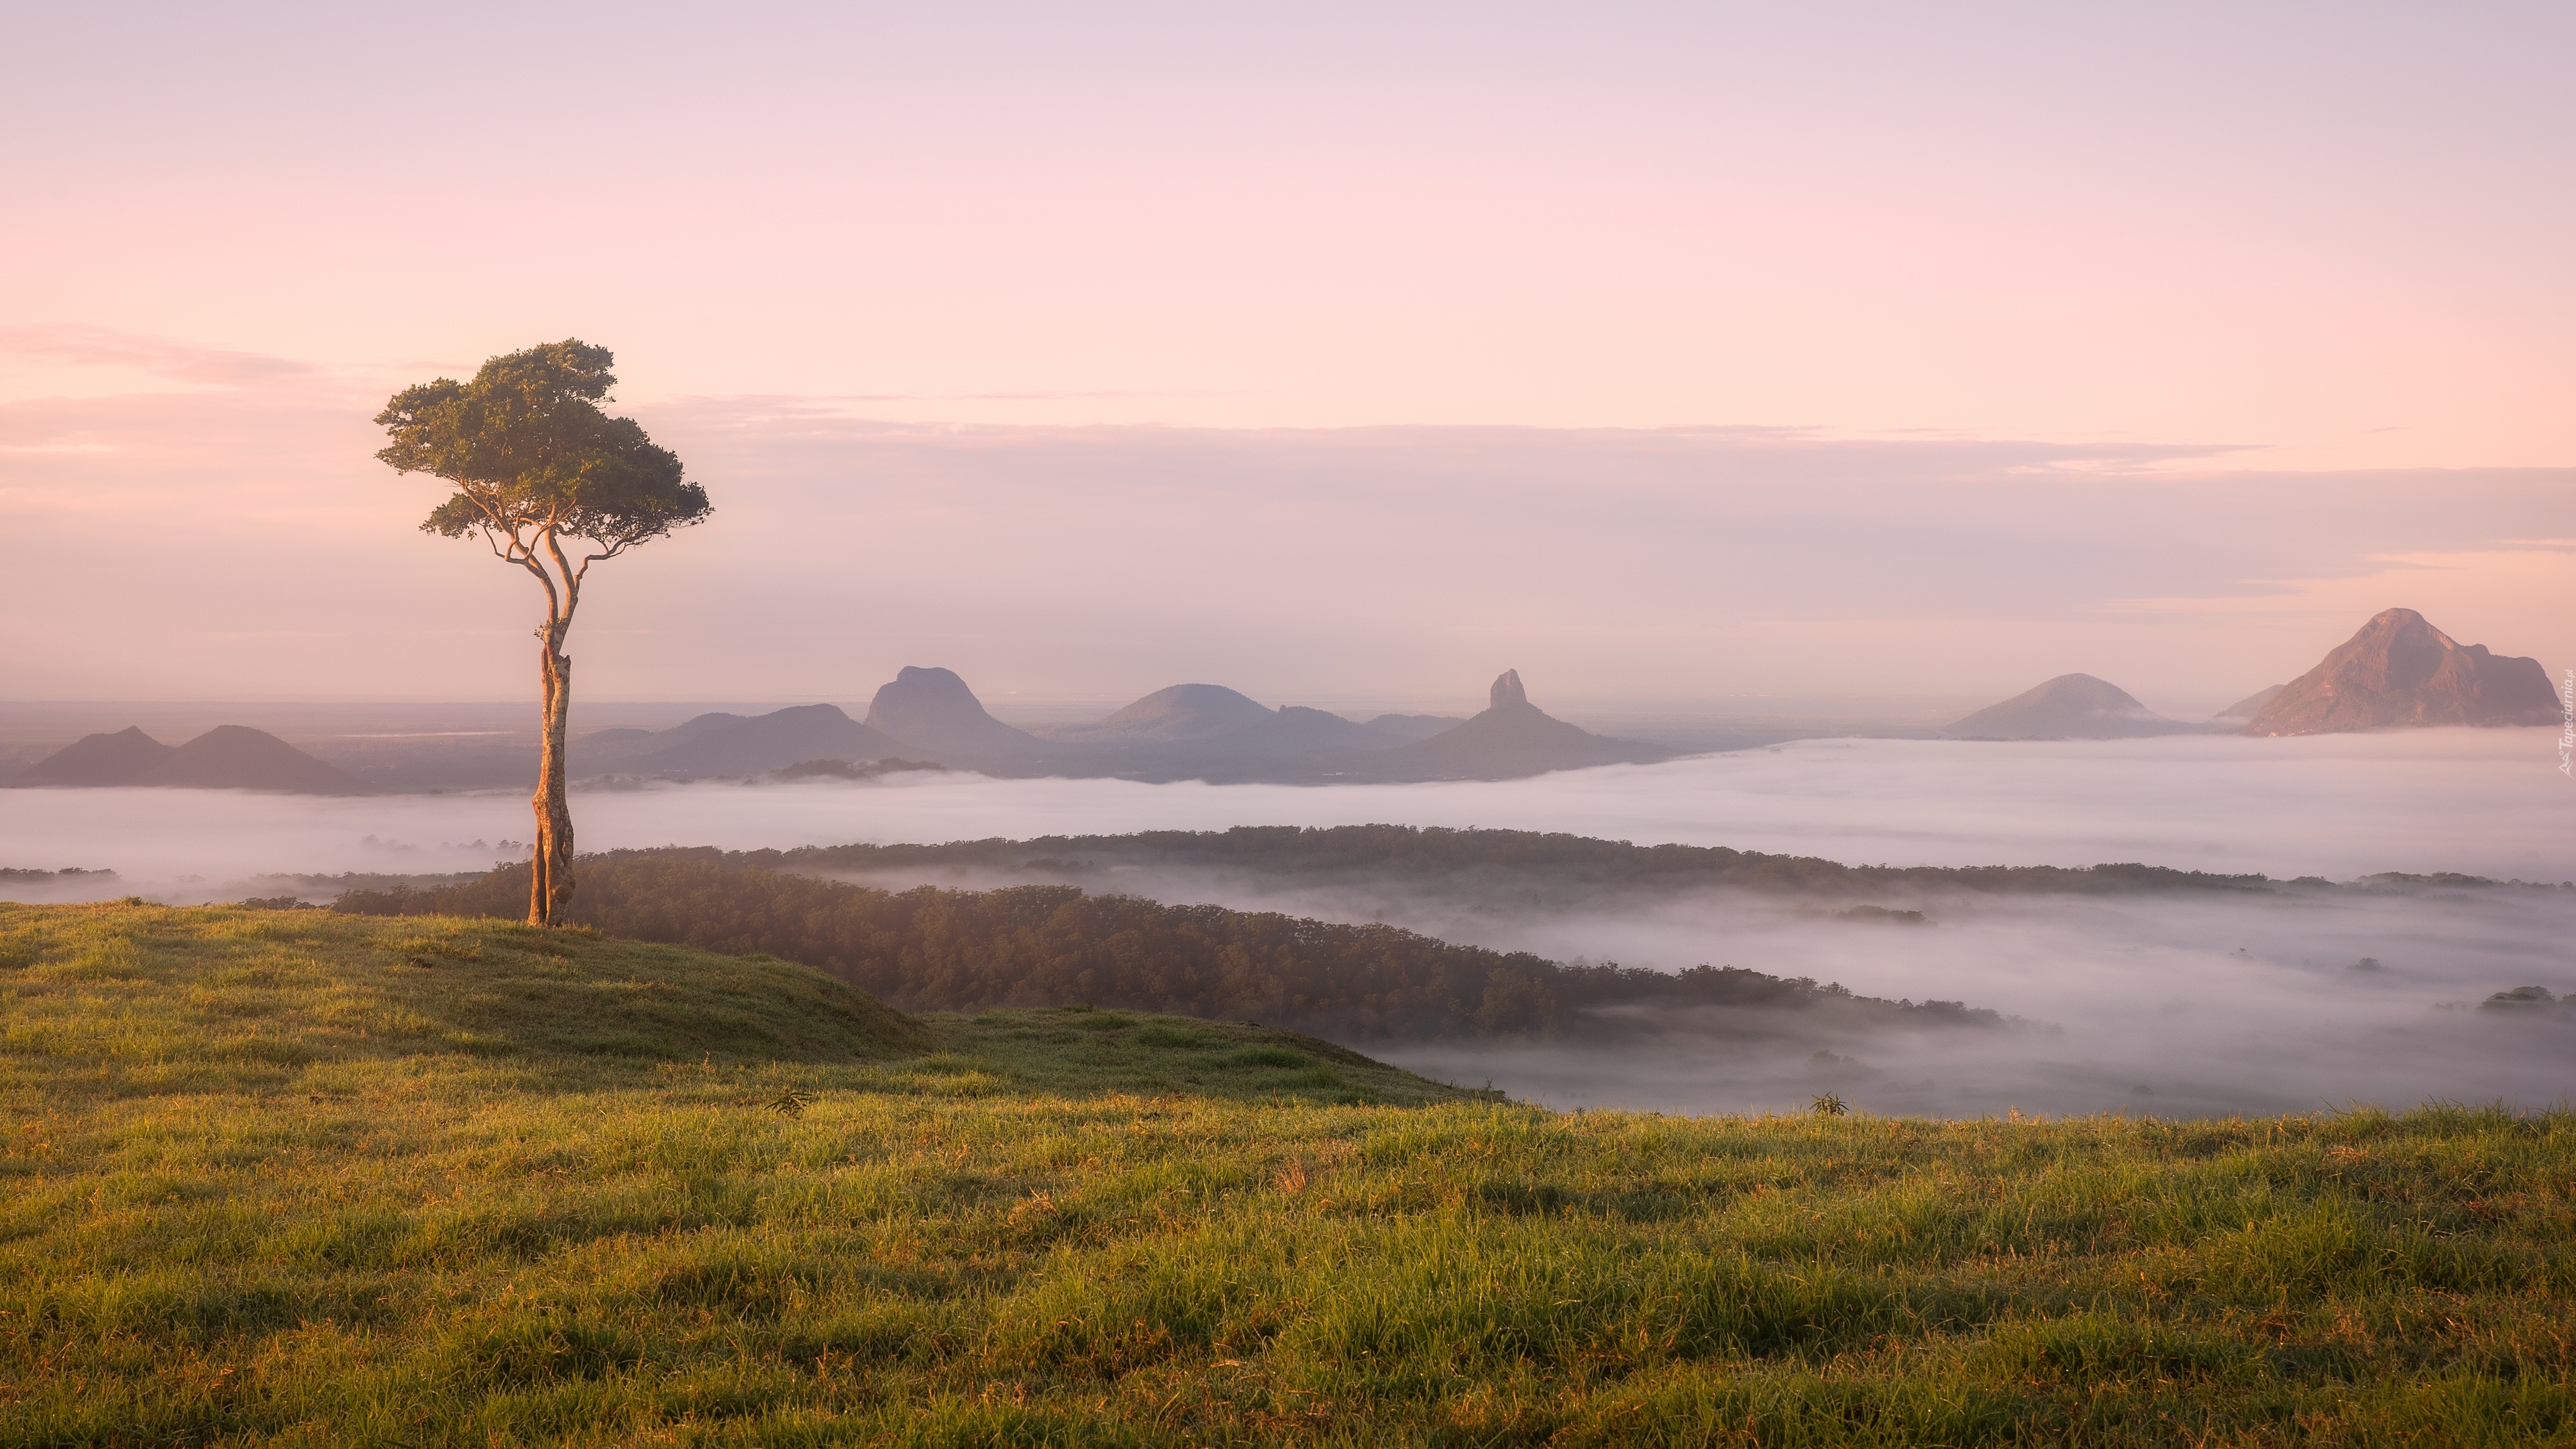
x=602, y=748
x=1415, y=726
x=1511, y=739
x=733, y=745
x=94, y=760
x=237, y=757
x=1295, y=729
x=227, y=757
x=934, y=710
x=2069, y=707
x=2244, y=709
x=2401, y=672
x=1182, y=712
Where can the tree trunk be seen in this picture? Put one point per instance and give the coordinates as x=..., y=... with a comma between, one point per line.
x=550, y=881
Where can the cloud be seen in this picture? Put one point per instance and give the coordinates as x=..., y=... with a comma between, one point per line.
x=1385, y=565
x=75, y=345
x=2488, y=595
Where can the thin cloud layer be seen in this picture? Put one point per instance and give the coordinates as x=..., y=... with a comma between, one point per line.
x=1379, y=565
x=80, y=346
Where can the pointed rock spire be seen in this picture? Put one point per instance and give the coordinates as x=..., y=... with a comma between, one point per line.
x=1507, y=689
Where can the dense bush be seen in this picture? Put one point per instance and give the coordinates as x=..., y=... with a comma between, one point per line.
x=944, y=950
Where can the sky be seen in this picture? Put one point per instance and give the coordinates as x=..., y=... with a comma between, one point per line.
x=1695, y=353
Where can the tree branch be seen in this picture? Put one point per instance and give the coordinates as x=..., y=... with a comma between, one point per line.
x=572, y=580
x=614, y=549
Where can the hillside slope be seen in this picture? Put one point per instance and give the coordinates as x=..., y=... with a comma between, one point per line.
x=266, y=1181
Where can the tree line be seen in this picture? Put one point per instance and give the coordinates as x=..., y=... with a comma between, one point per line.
x=929, y=949
x=1420, y=852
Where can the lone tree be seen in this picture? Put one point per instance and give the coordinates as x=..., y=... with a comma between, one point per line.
x=553, y=485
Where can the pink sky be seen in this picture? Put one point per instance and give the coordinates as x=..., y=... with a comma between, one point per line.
x=2242, y=267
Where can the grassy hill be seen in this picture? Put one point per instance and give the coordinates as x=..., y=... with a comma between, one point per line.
x=289, y=1177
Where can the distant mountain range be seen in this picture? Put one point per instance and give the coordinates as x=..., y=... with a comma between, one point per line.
x=1188, y=731
x=2397, y=672
x=227, y=757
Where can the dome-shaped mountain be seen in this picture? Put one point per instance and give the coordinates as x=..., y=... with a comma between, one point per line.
x=96, y=760
x=2401, y=672
x=932, y=709
x=1182, y=712
x=2069, y=707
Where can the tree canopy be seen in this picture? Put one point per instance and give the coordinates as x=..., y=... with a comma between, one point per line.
x=532, y=455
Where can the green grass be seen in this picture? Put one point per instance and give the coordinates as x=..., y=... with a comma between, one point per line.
x=277, y=1177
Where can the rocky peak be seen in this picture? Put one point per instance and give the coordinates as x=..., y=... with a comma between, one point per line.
x=1507, y=689
x=2399, y=671
x=934, y=709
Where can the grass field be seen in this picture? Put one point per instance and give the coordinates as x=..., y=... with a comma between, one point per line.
x=286, y=1177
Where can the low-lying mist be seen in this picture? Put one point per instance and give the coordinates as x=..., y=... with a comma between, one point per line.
x=2165, y=1002
x=2171, y=1001
x=2486, y=802
x=2159, y=1002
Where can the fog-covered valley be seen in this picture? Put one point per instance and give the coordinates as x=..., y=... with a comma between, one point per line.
x=2479, y=801
x=2164, y=1000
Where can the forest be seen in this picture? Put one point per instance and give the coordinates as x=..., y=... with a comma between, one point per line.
x=930, y=949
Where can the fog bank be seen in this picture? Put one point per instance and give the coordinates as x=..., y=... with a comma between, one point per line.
x=2487, y=802
x=2173, y=1002
x=2160, y=1003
